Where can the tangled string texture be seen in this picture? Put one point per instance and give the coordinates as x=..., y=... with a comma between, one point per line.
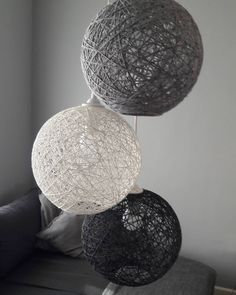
x=142, y=57
x=86, y=159
x=135, y=242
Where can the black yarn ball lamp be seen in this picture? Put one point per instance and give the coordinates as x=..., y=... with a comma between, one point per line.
x=142, y=57
x=135, y=242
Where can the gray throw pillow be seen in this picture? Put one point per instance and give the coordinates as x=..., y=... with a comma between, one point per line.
x=64, y=234
x=19, y=223
x=48, y=211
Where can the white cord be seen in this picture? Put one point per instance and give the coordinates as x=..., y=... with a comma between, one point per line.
x=93, y=101
x=136, y=125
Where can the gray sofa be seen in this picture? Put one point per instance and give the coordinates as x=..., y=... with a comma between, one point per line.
x=24, y=270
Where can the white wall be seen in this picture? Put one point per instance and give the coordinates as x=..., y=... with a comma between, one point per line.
x=15, y=105
x=189, y=154
x=59, y=26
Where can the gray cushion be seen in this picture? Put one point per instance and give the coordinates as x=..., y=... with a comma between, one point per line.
x=187, y=277
x=59, y=272
x=48, y=211
x=16, y=289
x=64, y=234
x=19, y=223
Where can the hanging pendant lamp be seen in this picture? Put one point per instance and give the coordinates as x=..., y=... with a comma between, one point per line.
x=142, y=57
x=86, y=159
x=134, y=243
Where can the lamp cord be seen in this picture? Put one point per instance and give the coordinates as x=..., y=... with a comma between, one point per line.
x=136, y=125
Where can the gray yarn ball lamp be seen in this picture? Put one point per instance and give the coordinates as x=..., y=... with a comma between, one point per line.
x=142, y=57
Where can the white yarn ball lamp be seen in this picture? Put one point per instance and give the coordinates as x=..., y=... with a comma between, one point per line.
x=86, y=159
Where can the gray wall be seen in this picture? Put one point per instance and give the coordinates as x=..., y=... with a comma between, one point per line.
x=15, y=96
x=189, y=154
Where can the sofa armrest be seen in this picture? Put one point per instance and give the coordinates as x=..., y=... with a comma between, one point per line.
x=19, y=223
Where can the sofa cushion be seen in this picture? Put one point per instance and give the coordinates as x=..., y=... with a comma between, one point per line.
x=64, y=234
x=17, y=289
x=58, y=272
x=48, y=211
x=19, y=223
x=186, y=277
